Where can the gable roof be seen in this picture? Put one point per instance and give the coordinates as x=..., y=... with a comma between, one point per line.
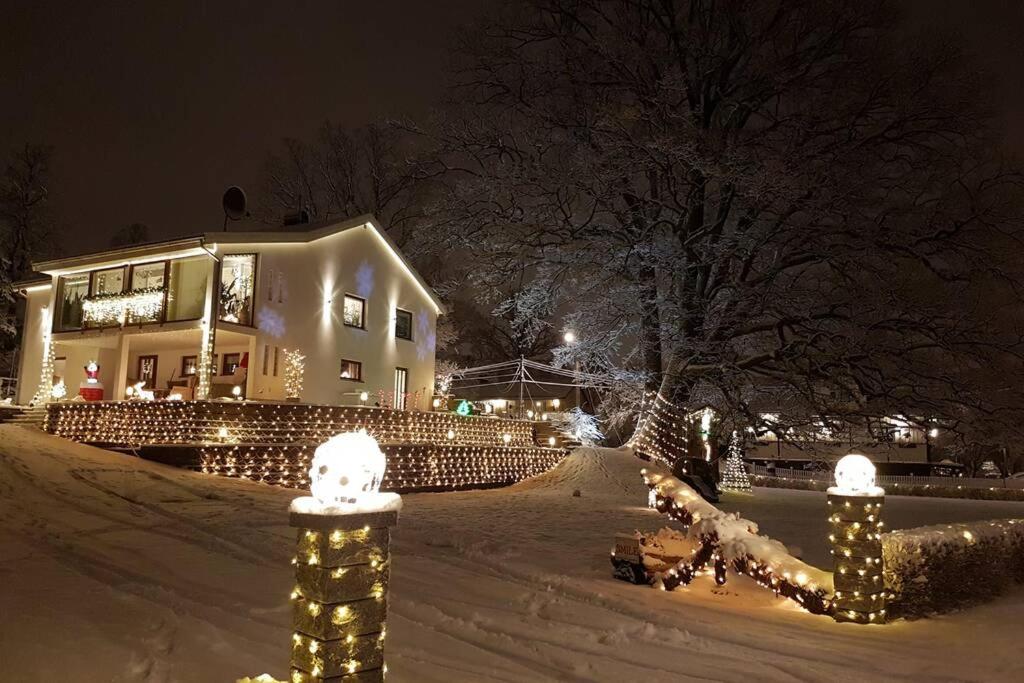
x=198, y=244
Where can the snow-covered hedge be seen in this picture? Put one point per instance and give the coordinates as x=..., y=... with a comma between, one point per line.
x=938, y=568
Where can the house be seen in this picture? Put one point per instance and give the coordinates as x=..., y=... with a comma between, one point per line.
x=330, y=313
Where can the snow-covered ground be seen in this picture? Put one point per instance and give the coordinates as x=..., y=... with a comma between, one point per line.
x=116, y=569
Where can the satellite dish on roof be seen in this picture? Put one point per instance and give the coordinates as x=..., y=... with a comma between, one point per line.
x=234, y=204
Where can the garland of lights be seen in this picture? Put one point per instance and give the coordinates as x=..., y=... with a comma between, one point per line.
x=798, y=586
x=294, y=371
x=117, y=307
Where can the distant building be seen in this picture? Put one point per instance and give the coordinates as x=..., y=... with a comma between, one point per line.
x=339, y=293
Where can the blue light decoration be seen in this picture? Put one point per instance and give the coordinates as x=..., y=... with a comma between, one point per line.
x=464, y=408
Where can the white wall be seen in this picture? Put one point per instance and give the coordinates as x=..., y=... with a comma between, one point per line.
x=37, y=323
x=168, y=363
x=306, y=284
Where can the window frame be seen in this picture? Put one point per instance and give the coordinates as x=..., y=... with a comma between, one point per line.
x=224, y=366
x=362, y=312
x=411, y=320
x=195, y=358
x=162, y=318
x=358, y=364
x=57, y=324
x=255, y=288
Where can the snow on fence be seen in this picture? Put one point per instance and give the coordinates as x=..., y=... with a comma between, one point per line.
x=894, y=480
x=726, y=539
x=938, y=568
x=940, y=487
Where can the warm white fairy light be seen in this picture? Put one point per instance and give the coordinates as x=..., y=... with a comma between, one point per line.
x=269, y=442
x=294, y=373
x=139, y=304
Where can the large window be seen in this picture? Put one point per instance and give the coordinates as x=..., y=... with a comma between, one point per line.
x=351, y=370
x=149, y=276
x=355, y=311
x=105, y=283
x=71, y=292
x=236, y=288
x=186, y=297
x=403, y=324
x=108, y=281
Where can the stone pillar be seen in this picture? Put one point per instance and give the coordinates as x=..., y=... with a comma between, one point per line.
x=857, y=557
x=340, y=597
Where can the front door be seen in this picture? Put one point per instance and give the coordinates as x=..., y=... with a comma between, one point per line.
x=401, y=387
x=147, y=371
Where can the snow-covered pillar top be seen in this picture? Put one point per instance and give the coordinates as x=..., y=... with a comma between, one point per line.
x=855, y=476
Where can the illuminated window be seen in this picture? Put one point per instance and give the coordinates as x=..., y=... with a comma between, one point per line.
x=71, y=291
x=236, y=288
x=108, y=281
x=148, y=276
x=351, y=370
x=187, y=288
x=403, y=324
x=355, y=311
x=231, y=362
x=189, y=365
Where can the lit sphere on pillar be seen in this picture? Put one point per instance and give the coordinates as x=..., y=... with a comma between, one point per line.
x=855, y=474
x=345, y=467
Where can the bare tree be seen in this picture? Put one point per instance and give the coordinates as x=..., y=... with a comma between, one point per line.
x=342, y=173
x=24, y=208
x=134, y=233
x=783, y=197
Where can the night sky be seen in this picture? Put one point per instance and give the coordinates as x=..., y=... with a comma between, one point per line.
x=155, y=108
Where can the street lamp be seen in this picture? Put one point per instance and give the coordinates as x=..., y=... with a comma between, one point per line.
x=570, y=338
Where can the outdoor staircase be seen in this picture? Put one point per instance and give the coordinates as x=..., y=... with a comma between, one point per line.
x=545, y=430
x=30, y=417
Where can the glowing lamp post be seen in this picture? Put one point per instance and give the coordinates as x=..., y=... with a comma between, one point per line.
x=341, y=567
x=855, y=514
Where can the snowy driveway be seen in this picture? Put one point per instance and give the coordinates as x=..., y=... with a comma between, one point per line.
x=115, y=569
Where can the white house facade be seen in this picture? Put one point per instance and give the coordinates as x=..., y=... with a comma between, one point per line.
x=330, y=314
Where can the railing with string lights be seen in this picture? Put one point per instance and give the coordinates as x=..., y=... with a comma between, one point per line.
x=725, y=540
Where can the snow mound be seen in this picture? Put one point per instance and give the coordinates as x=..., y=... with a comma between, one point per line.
x=599, y=472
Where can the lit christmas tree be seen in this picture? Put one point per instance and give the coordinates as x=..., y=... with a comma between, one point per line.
x=735, y=478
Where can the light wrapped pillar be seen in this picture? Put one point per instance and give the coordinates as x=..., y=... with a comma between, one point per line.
x=340, y=597
x=342, y=564
x=855, y=514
